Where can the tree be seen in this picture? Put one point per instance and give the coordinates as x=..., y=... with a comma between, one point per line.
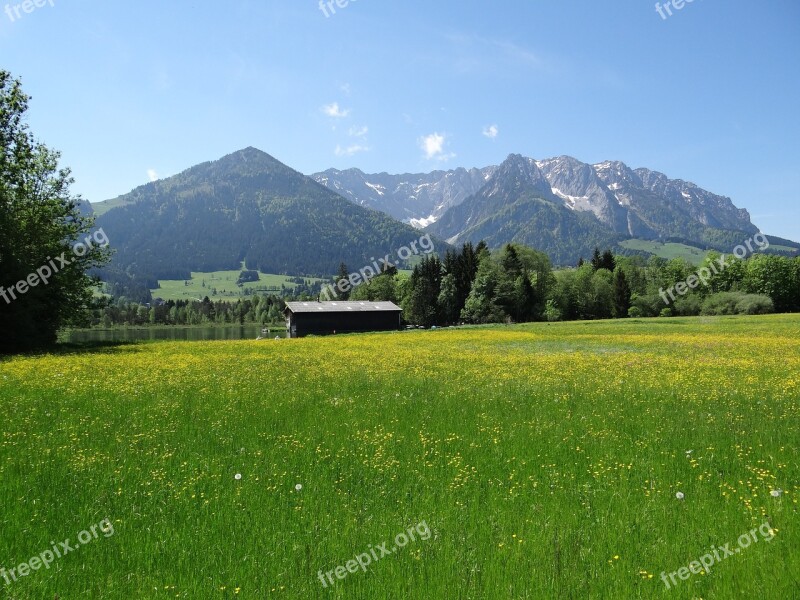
x=47, y=248
x=602, y=295
x=597, y=259
x=773, y=276
x=378, y=289
x=622, y=295
x=677, y=270
x=342, y=276
x=608, y=261
x=511, y=262
x=525, y=299
x=583, y=293
x=465, y=270
x=539, y=271
x=552, y=312
x=421, y=304
x=482, y=304
x=448, y=300
x=719, y=279
x=247, y=277
x=633, y=267
x=604, y=261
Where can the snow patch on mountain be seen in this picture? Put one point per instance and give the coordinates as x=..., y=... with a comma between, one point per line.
x=423, y=223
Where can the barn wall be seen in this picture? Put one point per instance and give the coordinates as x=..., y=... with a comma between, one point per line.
x=325, y=323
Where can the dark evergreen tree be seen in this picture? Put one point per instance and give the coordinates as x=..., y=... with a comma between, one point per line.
x=421, y=305
x=597, y=260
x=341, y=276
x=525, y=299
x=511, y=262
x=450, y=263
x=465, y=269
x=622, y=295
x=607, y=261
x=449, y=308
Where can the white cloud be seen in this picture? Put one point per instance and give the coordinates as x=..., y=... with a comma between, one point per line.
x=491, y=131
x=358, y=131
x=152, y=175
x=333, y=111
x=433, y=146
x=345, y=89
x=350, y=150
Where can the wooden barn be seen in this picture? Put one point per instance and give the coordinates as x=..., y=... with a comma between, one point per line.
x=326, y=318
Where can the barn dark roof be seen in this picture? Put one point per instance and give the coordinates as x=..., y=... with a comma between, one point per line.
x=339, y=307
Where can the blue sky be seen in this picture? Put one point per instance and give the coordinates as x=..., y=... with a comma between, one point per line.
x=129, y=91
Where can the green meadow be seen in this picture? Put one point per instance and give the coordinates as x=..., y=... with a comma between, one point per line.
x=668, y=251
x=691, y=254
x=565, y=460
x=220, y=285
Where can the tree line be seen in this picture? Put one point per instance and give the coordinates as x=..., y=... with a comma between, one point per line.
x=518, y=284
x=263, y=310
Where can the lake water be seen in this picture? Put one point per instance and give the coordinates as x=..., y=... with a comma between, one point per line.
x=183, y=334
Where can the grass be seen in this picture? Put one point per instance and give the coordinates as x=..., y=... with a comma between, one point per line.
x=101, y=208
x=544, y=461
x=224, y=282
x=791, y=251
x=667, y=251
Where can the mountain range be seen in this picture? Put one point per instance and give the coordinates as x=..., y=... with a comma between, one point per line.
x=418, y=199
x=249, y=207
x=560, y=205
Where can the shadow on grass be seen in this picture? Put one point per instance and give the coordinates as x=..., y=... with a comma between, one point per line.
x=66, y=348
x=99, y=347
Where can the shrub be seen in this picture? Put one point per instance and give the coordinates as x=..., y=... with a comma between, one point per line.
x=723, y=303
x=552, y=312
x=688, y=306
x=665, y=312
x=650, y=306
x=738, y=303
x=634, y=312
x=755, y=304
